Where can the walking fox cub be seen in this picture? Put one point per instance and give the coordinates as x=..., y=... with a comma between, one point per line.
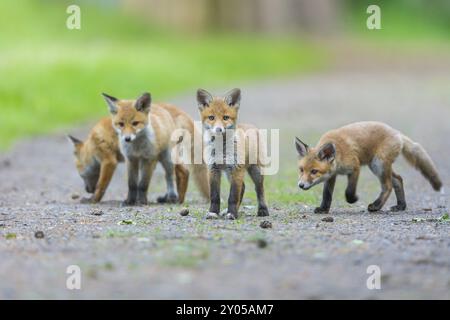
x=222, y=133
x=145, y=137
x=97, y=158
x=343, y=151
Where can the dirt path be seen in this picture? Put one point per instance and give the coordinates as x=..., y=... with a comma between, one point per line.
x=164, y=255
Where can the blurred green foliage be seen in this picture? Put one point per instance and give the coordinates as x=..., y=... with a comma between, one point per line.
x=402, y=21
x=51, y=77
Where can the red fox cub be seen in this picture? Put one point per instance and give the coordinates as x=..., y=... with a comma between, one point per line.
x=145, y=137
x=219, y=119
x=343, y=151
x=97, y=158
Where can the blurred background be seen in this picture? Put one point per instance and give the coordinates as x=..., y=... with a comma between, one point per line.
x=51, y=77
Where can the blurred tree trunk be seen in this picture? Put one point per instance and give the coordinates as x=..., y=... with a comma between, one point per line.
x=265, y=16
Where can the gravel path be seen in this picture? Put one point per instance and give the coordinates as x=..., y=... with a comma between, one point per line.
x=164, y=255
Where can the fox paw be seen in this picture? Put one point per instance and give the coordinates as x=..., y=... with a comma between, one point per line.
x=142, y=202
x=212, y=215
x=88, y=200
x=263, y=212
x=128, y=203
x=321, y=210
x=351, y=198
x=230, y=216
x=167, y=198
x=373, y=207
x=398, y=207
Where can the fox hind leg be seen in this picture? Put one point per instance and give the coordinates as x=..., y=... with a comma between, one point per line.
x=397, y=183
x=171, y=195
x=258, y=179
x=182, y=179
x=384, y=173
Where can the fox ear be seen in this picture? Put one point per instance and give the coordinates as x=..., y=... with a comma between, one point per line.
x=111, y=101
x=327, y=152
x=76, y=142
x=144, y=102
x=204, y=99
x=302, y=148
x=233, y=98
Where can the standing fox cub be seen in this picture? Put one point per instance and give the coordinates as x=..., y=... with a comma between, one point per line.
x=221, y=133
x=343, y=151
x=145, y=137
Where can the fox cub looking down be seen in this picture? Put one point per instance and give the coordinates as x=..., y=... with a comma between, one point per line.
x=96, y=158
x=145, y=138
x=343, y=151
x=222, y=137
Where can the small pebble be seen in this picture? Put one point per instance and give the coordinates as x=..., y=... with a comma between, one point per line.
x=97, y=212
x=39, y=235
x=328, y=219
x=75, y=196
x=266, y=224
x=184, y=212
x=261, y=243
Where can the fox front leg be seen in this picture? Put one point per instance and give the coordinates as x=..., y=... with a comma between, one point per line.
x=133, y=176
x=214, y=183
x=107, y=169
x=146, y=168
x=350, y=191
x=327, y=196
x=236, y=193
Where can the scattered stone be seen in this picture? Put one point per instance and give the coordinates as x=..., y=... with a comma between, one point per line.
x=261, y=243
x=427, y=209
x=266, y=224
x=39, y=235
x=75, y=196
x=328, y=219
x=125, y=222
x=97, y=212
x=304, y=216
x=184, y=212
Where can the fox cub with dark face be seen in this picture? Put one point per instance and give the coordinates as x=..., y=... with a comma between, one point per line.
x=145, y=137
x=343, y=151
x=232, y=148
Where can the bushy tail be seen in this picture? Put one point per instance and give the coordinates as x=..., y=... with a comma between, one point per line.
x=416, y=155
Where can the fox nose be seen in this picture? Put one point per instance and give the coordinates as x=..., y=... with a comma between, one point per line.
x=219, y=130
x=301, y=185
x=127, y=139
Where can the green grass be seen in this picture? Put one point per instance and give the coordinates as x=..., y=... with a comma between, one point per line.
x=52, y=77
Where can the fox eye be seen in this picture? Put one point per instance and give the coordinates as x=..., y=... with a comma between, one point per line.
x=121, y=124
x=301, y=170
x=314, y=171
x=135, y=123
x=211, y=118
x=226, y=118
